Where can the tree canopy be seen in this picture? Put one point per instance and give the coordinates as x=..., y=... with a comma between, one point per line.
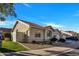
x=6, y=9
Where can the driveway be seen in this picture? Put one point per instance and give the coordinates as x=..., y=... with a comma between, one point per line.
x=73, y=44
x=41, y=52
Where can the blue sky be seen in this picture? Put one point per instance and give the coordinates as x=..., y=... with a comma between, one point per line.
x=63, y=16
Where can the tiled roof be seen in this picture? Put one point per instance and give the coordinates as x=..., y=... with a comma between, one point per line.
x=32, y=24
x=47, y=27
x=72, y=32
x=66, y=33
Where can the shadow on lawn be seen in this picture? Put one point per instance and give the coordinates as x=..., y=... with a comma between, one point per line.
x=8, y=52
x=3, y=50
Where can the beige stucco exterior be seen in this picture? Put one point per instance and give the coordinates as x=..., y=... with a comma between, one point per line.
x=19, y=31
x=34, y=31
x=26, y=33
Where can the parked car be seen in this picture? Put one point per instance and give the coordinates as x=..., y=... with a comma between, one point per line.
x=72, y=38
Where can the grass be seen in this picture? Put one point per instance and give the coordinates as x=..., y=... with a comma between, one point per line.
x=9, y=46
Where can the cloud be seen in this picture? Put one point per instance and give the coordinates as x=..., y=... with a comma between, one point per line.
x=62, y=27
x=6, y=23
x=2, y=22
x=54, y=25
x=27, y=5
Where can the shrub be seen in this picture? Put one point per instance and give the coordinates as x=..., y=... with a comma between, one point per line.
x=6, y=36
x=53, y=40
x=33, y=41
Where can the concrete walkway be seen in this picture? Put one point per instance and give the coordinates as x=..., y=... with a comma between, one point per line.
x=41, y=52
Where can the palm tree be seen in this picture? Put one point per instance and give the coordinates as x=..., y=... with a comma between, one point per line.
x=6, y=9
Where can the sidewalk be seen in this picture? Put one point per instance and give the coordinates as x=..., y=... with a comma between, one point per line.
x=41, y=52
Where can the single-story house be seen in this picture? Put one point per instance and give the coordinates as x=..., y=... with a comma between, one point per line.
x=72, y=32
x=65, y=34
x=24, y=31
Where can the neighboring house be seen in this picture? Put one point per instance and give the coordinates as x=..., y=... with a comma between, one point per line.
x=6, y=33
x=65, y=34
x=27, y=32
x=72, y=32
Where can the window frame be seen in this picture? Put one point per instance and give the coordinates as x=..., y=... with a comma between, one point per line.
x=49, y=33
x=37, y=34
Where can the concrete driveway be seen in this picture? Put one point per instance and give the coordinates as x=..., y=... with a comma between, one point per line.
x=73, y=44
x=41, y=52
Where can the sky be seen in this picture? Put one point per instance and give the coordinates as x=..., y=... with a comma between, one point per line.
x=64, y=16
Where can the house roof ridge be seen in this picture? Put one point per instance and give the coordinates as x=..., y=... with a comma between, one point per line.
x=33, y=24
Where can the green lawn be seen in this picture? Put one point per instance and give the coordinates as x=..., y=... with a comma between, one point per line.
x=9, y=46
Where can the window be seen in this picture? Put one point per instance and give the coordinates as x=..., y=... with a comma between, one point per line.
x=37, y=35
x=49, y=33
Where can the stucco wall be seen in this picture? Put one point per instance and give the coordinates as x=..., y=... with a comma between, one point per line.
x=20, y=28
x=33, y=31
x=13, y=36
